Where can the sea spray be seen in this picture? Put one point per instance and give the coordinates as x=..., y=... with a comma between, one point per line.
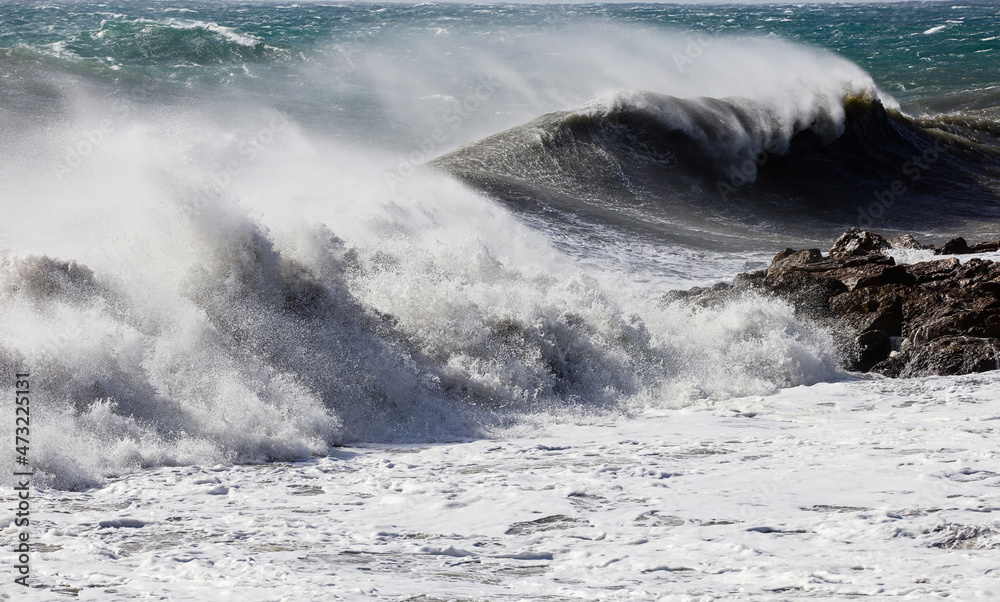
x=442, y=316
x=203, y=261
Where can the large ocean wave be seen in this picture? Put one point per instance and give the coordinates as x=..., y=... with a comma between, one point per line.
x=224, y=245
x=687, y=167
x=167, y=319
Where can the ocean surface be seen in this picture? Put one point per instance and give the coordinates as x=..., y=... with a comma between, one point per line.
x=293, y=243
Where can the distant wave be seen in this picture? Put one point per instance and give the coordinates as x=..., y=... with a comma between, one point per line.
x=641, y=159
x=145, y=40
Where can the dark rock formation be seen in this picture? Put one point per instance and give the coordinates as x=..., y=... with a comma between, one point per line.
x=944, y=355
x=856, y=242
x=985, y=247
x=936, y=317
x=958, y=246
x=906, y=241
x=955, y=246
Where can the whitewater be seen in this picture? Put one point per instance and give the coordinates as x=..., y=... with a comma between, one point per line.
x=374, y=301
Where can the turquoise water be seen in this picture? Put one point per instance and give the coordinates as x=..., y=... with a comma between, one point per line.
x=889, y=40
x=930, y=56
x=417, y=81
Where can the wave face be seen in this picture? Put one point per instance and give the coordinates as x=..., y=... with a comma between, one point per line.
x=224, y=242
x=693, y=169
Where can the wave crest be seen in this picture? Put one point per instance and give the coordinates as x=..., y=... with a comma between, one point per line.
x=674, y=166
x=167, y=41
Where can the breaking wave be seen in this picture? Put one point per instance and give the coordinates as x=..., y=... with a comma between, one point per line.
x=702, y=166
x=139, y=41
x=215, y=256
x=237, y=332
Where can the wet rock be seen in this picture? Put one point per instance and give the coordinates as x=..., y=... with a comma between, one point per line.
x=936, y=317
x=929, y=271
x=959, y=246
x=873, y=308
x=985, y=247
x=874, y=346
x=700, y=295
x=790, y=258
x=955, y=246
x=749, y=280
x=946, y=355
x=977, y=271
x=906, y=241
x=871, y=275
x=808, y=292
x=858, y=242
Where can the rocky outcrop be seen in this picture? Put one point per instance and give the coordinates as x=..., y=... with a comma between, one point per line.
x=958, y=246
x=936, y=317
x=855, y=243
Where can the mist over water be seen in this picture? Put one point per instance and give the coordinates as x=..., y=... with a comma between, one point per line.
x=224, y=243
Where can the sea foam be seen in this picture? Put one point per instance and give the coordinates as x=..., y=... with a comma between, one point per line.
x=208, y=280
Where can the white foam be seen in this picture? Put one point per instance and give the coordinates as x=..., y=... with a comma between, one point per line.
x=300, y=300
x=871, y=487
x=910, y=256
x=251, y=289
x=260, y=290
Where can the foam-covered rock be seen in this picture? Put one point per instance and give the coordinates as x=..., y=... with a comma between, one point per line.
x=936, y=317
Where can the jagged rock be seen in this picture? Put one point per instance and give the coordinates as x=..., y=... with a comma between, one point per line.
x=929, y=271
x=959, y=246
x=836, y=263
x=985, y=247
x=808, y=292
x=870, y=275
x=749, y=280
x=942, y=316
x=790, y=258
x=700, y=295
x=906, y=241
x=955, y=246
x=858, y=242
x=783, y=254
x=946, y=355
x=977, y=271
x=936, y=317
x=879, y=308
